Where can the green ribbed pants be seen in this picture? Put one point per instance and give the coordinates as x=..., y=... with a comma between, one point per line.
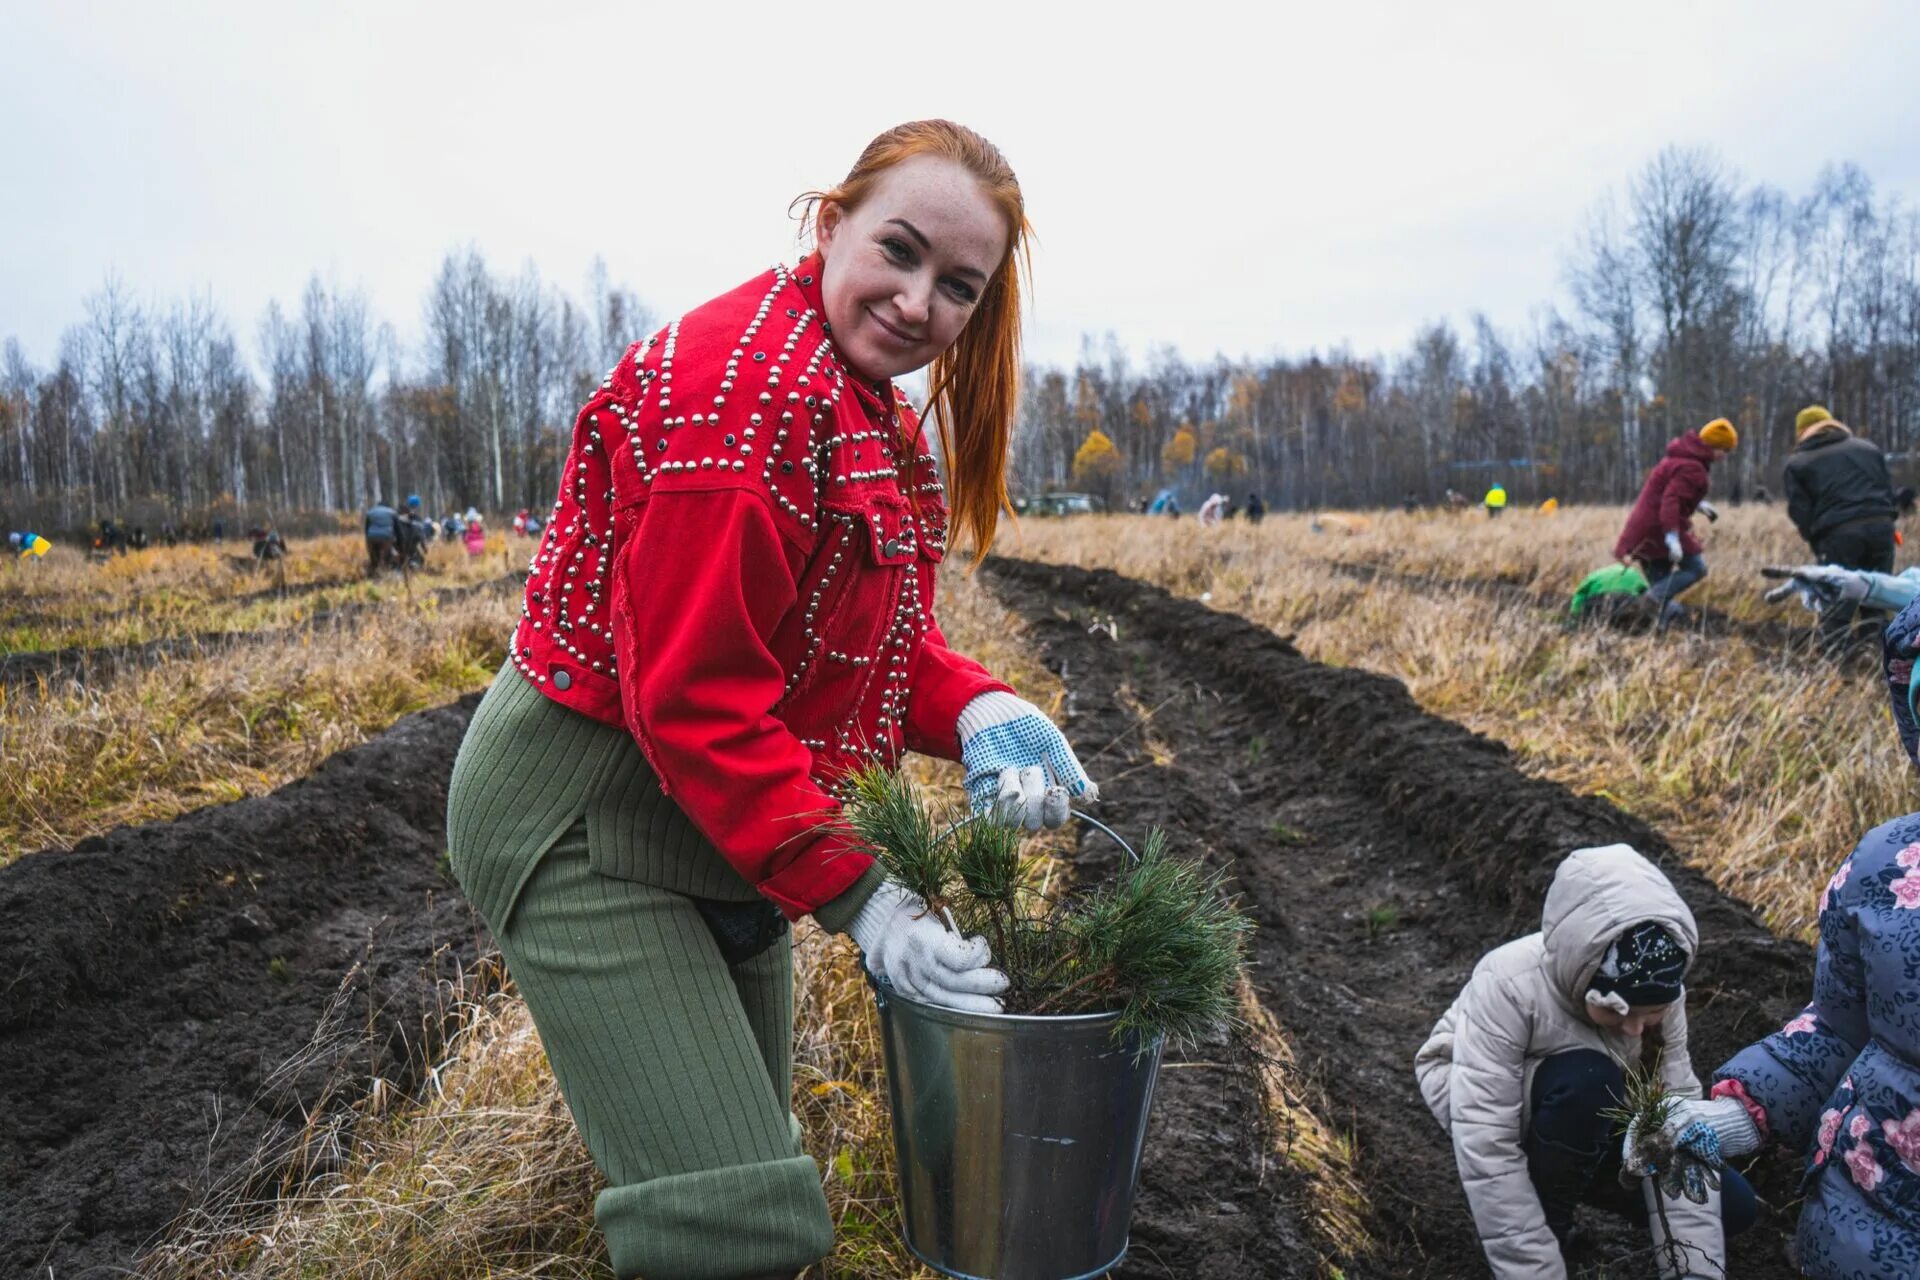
x=677, y=1066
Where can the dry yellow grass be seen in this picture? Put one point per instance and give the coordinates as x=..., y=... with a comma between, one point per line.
x=66, y=601
x=1763, y=767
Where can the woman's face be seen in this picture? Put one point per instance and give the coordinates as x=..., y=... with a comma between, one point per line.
x=1634, y=1022
x=904, y=271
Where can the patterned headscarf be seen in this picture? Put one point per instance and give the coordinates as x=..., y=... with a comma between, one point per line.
x=1643, y=966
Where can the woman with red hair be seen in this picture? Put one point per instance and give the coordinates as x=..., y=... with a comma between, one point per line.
x=730, y=610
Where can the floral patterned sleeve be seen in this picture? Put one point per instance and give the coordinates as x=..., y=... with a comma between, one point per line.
x=1898, y=646
x=1790, y=1075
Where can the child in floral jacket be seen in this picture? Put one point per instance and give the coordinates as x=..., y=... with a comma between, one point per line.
x=1842, y=1080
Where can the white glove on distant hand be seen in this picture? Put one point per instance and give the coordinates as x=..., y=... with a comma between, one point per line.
x=1821, y=586
x=1009, y=747
x=1675, y=553
x=911, y=948
x=1708, y=510
x=1723, y=1120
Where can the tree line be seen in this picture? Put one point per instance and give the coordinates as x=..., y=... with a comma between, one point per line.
x=153, y=413
x=1688, y=296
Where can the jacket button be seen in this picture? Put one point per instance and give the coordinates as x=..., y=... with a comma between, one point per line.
x=562, y=680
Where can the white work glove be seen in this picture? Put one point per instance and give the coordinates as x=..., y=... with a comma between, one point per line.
x=1689, y=1239
x=1708, y=510
x=1825, y=585
x=913, y=949
x=1675, y=553
x=1009, y=747
x=1702, y=1134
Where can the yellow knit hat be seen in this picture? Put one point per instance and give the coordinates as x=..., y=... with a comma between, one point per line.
x=1719, y=434
x=1807, y=419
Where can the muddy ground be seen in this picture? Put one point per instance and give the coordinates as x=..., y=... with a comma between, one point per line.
x=179, y=997
x=1383, y=852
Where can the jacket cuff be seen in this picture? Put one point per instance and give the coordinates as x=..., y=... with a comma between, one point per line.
x=1737, y=1091
x=837, y=915
x=995, y=706
x=819, y=875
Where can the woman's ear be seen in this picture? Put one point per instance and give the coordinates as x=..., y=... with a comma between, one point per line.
x=826, y=224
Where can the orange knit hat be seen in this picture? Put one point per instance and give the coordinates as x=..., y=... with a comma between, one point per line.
x=1719, y=434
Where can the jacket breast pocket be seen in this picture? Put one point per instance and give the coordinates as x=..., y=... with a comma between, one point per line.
x=848, y=593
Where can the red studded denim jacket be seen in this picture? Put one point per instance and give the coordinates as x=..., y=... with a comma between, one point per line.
x=740, y=570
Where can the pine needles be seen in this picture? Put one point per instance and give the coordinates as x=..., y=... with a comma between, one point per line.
x=1161, y=944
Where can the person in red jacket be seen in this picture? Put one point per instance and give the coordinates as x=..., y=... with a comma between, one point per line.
x=1659, y=532
x=729, y=611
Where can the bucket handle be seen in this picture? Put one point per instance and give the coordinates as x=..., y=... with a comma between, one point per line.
x=1098, y=825
x=1085, y=817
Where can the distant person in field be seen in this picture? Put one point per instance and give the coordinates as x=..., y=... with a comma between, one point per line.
x=1522, y=1070
x=1212, y=511
x=1256, y=509
x=382, y=526
x=27, y=543
x=476, y=537
x=1495, y=501
x=1659, y=530
x=1456, y=501
x=1840, y=497
x=646, y=796
x=1410, y=503
x=1606, y=593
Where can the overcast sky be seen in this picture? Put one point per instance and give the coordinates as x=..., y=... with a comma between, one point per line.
x=1246, y=178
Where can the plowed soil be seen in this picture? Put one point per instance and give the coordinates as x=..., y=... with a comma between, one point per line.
x=1383, y=852
x=177, y=998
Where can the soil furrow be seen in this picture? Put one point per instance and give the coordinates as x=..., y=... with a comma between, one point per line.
x=161, y=986
x=98, y=665
x=1384, y=851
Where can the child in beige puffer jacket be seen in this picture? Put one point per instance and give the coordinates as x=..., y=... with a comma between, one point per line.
x=1536, y=1048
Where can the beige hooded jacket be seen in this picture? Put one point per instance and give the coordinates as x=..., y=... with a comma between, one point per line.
x=1525, y=1003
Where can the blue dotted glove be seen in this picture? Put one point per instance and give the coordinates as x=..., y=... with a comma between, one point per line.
x=1684, y=1159
x=1010, y=748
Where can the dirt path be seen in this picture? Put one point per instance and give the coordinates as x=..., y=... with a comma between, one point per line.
x=155, y=982
x=1384, y=851
x=99, y=665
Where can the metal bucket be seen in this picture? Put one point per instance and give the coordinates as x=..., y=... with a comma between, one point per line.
x=1018, y=1137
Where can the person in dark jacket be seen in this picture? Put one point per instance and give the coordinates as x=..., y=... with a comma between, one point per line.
x=383, y=529
x=1840, y=497
x=1659, y=532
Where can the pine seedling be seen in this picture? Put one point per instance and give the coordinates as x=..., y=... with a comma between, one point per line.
x=1161, y=944
x=1643, y=1116
x=1164, y=944
x=884, y=811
